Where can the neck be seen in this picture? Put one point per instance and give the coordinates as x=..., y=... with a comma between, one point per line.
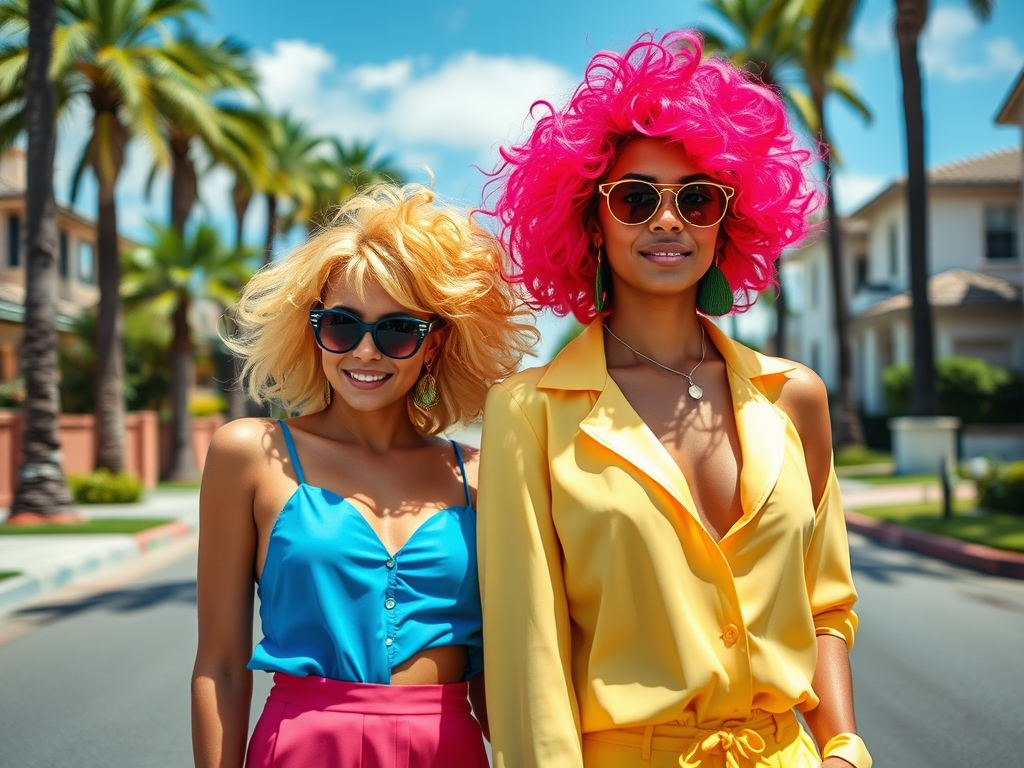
x=665, y=328
x=378, y=431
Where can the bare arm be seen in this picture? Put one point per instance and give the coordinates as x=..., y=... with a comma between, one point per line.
x=221, y=684
x=805, y=400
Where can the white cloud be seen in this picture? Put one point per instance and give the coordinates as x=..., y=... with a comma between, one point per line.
x=471, y=102
x=371, y=77
x=951, y=50
x=853, y=190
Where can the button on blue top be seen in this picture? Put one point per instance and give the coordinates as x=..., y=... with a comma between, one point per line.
x=335, y=603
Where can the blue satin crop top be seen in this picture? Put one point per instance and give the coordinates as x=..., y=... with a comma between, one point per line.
x=335, y=603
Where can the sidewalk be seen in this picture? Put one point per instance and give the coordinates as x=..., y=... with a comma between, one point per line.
x=858, y=494
x=49, y=561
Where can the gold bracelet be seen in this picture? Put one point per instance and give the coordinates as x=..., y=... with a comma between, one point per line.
x=850, y=747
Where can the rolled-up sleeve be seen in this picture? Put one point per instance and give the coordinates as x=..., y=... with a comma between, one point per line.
x=531, y=704
x=827, y=569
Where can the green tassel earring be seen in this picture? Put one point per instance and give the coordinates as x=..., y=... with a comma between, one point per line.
x=714, y=294
x=425, y=395
x=600, y=292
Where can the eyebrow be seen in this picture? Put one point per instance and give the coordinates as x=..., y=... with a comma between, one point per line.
x=653, y=180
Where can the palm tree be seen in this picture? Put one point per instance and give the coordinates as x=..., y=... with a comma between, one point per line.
x=203, y=113
x=296, y=174
x=112, y=54
x=42, y=490
x=340, y=175
x=786, y=51
x=829, y=16
x=168, y=277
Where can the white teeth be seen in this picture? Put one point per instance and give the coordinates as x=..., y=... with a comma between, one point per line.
x=366, y=378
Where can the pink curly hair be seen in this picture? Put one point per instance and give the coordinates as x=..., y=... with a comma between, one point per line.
x=731, y=125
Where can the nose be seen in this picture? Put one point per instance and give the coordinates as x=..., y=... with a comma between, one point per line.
x=366, y=349
x=667, y=218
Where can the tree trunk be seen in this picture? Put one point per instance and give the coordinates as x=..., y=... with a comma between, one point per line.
x=184, y=187
x=910, y=19
x=42, y=488
x=110, y=405
x=184, y=193
x=268, y=250
x=846, y=426
x=241, y=196
x=183, y=463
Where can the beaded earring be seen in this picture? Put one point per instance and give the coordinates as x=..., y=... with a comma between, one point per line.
x=425, y=395
x=327, y=393
x=714, y=294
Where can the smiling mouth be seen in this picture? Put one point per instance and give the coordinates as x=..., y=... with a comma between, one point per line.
x=367, y=378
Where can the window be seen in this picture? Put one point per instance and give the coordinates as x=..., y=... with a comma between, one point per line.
x=1001, y=232
x=86, y=267
x=14, y=241
x=860, y=273
x=62, y=264
x=894, y=251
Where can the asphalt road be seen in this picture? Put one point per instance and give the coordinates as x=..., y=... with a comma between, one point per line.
x=98, y=675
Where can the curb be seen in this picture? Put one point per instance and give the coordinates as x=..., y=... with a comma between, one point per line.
x=20, y=589
x=996, y=562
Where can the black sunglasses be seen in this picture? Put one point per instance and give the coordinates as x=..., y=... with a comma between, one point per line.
x=698, y=203
x=338, y=330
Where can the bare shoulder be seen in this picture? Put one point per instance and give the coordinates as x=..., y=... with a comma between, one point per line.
x=242, y=445
x=471, y=462
x=804, y=398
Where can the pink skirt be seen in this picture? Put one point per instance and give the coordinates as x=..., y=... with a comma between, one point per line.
x=313, y=721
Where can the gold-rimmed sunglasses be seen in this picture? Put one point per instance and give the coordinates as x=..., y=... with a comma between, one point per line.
x=698, y=203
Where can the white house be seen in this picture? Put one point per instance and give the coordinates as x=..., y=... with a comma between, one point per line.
x=975, y=267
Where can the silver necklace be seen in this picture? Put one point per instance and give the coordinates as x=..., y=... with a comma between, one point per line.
x=695, y=392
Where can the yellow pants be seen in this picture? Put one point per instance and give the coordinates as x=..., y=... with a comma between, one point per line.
x=764, y=741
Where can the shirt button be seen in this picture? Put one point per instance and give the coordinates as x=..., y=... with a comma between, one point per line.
x=388, y=641
x=390, y=563
x=389, y=603
x=730, y=634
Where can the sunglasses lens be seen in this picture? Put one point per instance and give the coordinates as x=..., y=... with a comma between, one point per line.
x=339, y=332
x=701, y=205
x=633, y=202
x=398, y=338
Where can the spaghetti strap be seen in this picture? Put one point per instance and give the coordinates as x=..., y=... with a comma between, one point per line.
x=295, y=456
x=462, y=471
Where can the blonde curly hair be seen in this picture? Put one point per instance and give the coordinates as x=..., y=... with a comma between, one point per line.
x=428, y=256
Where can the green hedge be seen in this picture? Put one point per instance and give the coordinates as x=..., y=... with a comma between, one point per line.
x=1002, y=488
x=968, y=387
x=102, y=487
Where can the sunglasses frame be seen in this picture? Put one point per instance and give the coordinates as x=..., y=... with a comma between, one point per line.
x=424, y=327
x=606, y=190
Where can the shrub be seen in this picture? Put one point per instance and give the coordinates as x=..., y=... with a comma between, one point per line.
x=1002, y=488
x=12, y=393
x=968, y=387
x=102, y=487
x=855, y=455
x=207, y=405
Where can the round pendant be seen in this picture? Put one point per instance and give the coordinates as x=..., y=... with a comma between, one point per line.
x=696, y=392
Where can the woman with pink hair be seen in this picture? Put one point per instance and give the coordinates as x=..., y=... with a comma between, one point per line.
x=664, y=565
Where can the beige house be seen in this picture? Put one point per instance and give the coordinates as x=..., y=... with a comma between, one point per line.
x=975, y=266
x=76, y=262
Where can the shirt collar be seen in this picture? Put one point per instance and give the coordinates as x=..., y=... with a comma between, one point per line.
x=581, y=365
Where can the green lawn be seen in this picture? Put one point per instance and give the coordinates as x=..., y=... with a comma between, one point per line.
x=856, y=455
x=993, y=529
x=897, y=479
x=97, y=525
x=166, y=485
x=8, y=574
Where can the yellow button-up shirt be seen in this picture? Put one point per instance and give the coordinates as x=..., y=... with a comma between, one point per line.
x=606, y=602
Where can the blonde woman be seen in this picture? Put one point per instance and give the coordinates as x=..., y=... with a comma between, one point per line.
x=353, y=520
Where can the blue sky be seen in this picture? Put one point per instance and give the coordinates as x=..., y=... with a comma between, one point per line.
x=443, y=84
